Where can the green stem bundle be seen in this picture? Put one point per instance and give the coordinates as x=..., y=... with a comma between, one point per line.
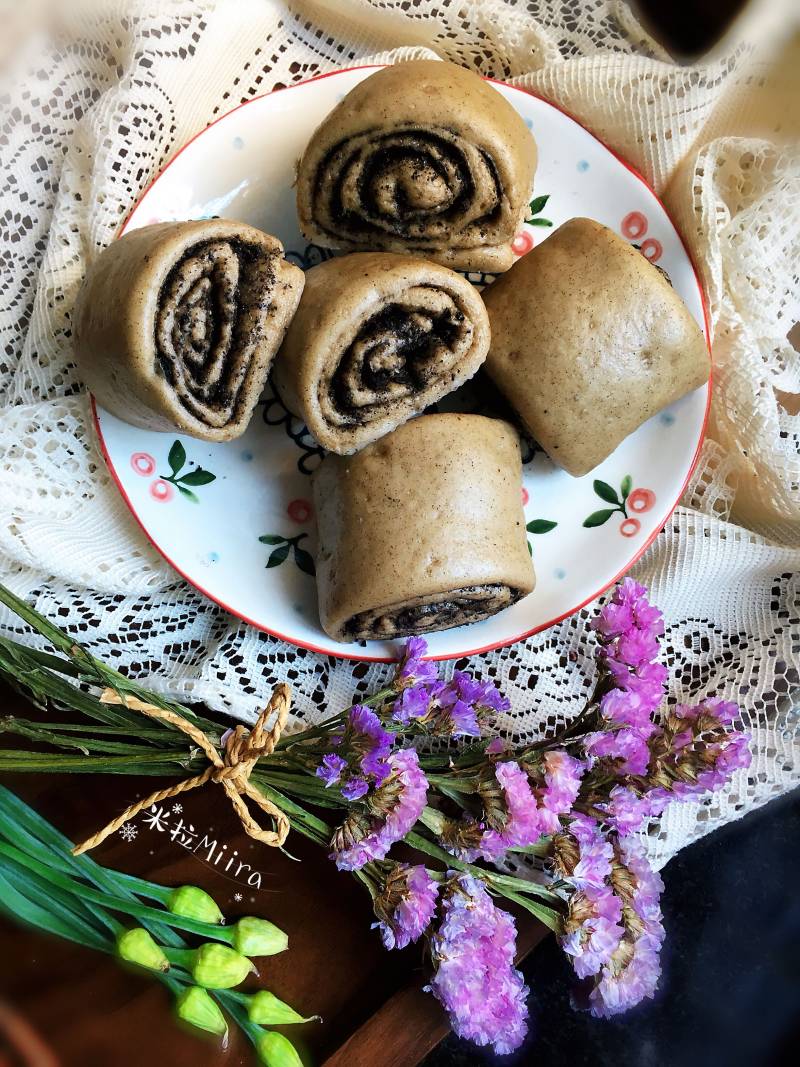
x=44, y=886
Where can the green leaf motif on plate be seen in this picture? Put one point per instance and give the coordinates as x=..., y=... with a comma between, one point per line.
x=187, y=493
x=302, y=558
x=176, y=457
x=535, y=207
x=278, y=555
x=177, y=460
x=305, y=561
x=540, y=526
x=197, y=477
x=597, y=518
x=626, y=486
x=605, y=492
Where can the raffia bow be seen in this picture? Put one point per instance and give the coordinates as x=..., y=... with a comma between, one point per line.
x=231, y=770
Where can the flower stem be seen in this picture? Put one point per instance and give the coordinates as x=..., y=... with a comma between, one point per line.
x=113, y=903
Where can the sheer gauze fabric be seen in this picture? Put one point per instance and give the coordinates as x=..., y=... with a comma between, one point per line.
x=111, y=91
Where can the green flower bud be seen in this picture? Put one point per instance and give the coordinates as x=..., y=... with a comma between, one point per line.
x=194, y=903
x=258, y=937
x=137, y=946
x=219, y=967
x=198, y=1009
x=265, y=1008
x=275, y=1050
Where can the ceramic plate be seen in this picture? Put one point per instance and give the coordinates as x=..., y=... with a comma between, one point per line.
x=242, y=531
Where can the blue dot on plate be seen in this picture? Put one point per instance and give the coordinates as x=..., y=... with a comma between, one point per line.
x=213, y=557
x=529, y=123
x=667, y=418
x=560, y=573
x=583, y=165
x=238, y=143
x=247, y=455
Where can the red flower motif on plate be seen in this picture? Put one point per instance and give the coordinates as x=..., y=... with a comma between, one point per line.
x=634, y=225
x=161, y=491
x=299, y=510
x=143, y=463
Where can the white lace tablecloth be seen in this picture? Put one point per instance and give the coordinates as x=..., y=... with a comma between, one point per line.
x=104, y=93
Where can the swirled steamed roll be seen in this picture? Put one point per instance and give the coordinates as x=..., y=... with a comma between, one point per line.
x=376, y=339
x=589, y=340
x=422, y=530
x=422, y=157
x=177, y=324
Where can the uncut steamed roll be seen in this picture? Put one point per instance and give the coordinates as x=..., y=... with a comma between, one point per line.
x=422, y=157
x=422, y=530
x=377, y=338
x=589, y=340
x=177, y=324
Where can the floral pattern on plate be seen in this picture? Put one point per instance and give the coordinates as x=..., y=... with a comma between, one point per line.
x=639, y=500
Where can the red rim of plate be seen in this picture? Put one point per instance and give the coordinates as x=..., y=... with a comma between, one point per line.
x=486, y=648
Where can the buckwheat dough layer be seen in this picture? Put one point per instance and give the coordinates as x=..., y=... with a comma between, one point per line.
x=589, y=340
x=422, y=157
x=177, y=323
x=376, y=339
x=422, y=530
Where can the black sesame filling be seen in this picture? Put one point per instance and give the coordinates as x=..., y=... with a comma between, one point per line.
x=412, y=347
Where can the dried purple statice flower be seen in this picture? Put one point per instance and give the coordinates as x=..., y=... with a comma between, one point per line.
x=592, y=930
x=396, y=806
x=562, y=782
x=452, y=709
x=632, y=684
x=414, y=702
x=633, y=969
x=629, y=746
x=331, y=769
x=612, y=932
x=360, y=757
x=370, y=741
x=523, y=825
x=696, y=752
x=412, y=668
x=406, y=905
x=628, y=628
x=582, y=854
x=475, y=978
x=627, y=811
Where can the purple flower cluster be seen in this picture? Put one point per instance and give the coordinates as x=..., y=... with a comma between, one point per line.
x=562, y=782
x=523, y=825
x=361, y=757
x=412, y=668
x=632, y=973
x=532, y=813
x=613, y=931
x=453, y=708
x=406, y=906
x=702, y=755
x=724, y=750
x=475, y=978
x=407, y=778
x=628, y=628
